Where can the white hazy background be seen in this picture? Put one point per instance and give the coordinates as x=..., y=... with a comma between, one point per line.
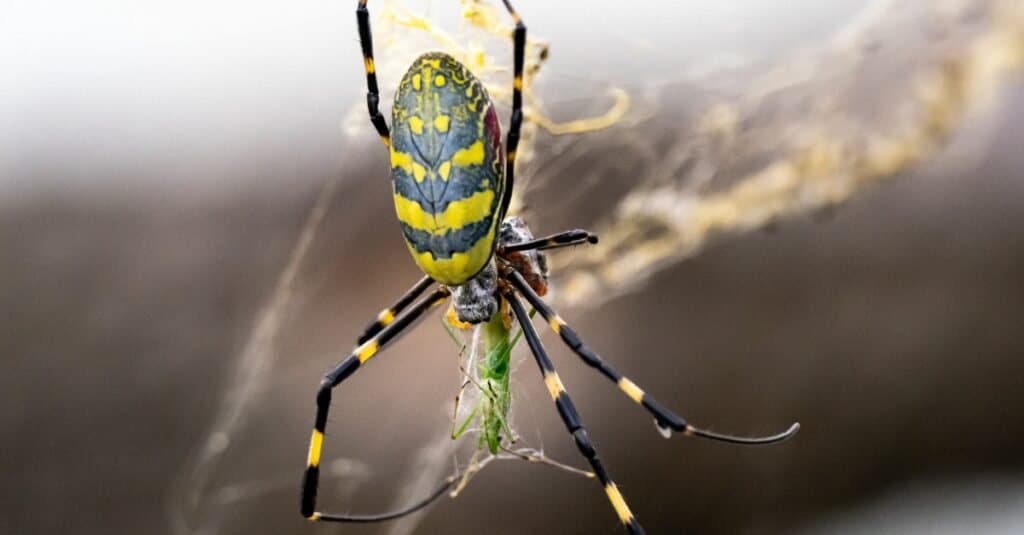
x=192, y=88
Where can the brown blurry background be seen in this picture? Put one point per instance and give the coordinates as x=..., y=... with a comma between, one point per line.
x=157, y=164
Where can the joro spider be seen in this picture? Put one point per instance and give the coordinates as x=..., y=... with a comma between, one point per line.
x=452, y=190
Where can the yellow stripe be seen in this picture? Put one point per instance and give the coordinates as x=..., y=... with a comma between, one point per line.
x=465, y=211
x=472, y=155
x=554, y=384
x=404, y=161
x=556, y=324
x=386, y=317
x=368, y=63
x=412, y=214
x=517, y=83
x=313, y=517
x=456, y=215
x=315, y=443
x=631, y=390
x=619, y=503
x=461, y=266
x=367, y=350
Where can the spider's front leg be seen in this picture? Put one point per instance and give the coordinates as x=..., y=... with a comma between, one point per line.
x=516, y=119
x=567, y=410
x=372, y=91
x=554, y=241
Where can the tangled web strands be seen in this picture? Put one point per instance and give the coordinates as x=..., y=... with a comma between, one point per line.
x=805, y=135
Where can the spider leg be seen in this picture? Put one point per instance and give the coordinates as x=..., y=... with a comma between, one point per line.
x=554, y=241
x=665, y=418
x=567, y=411
x=516, y=121
x=348, y=366
x=373, y=92
x=386, y=316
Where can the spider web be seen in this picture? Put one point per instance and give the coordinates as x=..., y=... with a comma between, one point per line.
x=200, y=501
x=766, y=142
x=690, y=153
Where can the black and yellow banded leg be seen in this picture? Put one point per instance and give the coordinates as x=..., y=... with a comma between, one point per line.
x=388, y=315
x=372, y=91
x=348, y=366
x=667, y=420
x=516, y=121
x=567, y=411
x=554, y=241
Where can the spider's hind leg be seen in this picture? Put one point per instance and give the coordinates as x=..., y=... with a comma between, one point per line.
x=359, y=356
x=571, y=419
x=386, y=316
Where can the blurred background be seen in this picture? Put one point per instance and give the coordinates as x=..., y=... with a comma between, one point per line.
x=809, y=213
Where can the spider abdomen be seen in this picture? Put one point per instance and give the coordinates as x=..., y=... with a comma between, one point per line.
x=446, y=168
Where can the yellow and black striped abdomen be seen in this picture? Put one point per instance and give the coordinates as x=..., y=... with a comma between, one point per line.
x=446, y=168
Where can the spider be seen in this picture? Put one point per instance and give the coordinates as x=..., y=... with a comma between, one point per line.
x=452, y=181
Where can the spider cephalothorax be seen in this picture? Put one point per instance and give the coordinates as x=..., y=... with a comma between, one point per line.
x=532, y=264
x=477, y=299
